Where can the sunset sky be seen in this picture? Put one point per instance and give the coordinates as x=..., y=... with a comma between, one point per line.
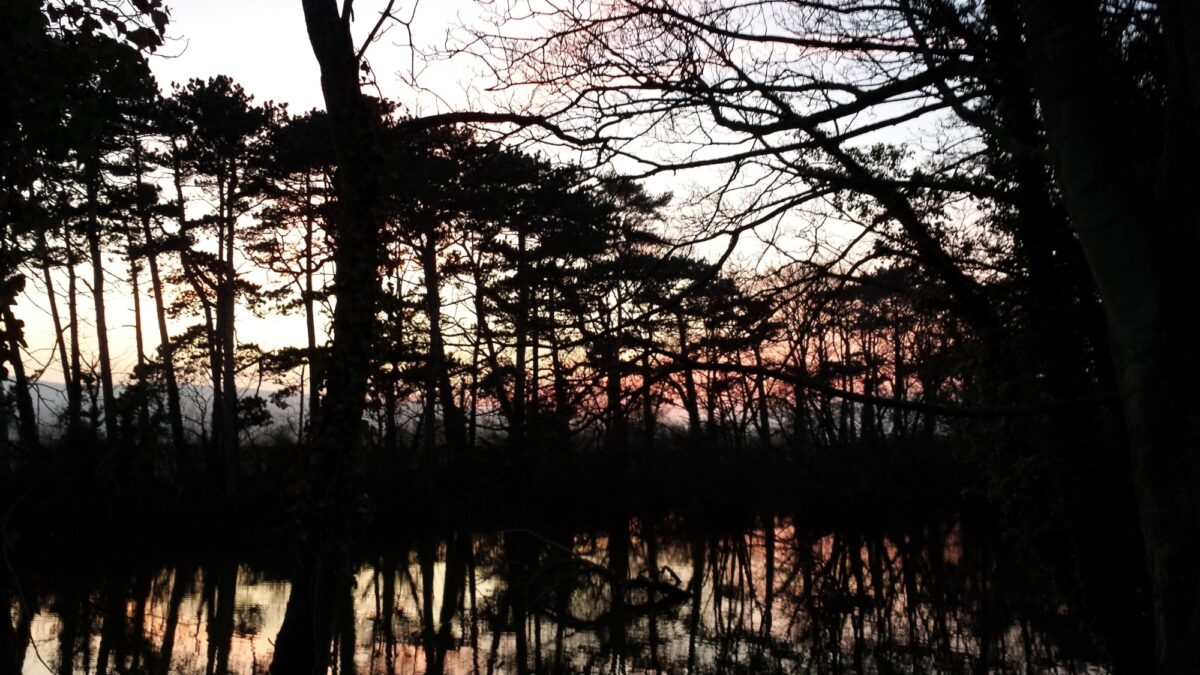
x=263, y=45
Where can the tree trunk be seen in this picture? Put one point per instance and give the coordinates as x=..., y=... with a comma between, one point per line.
x=521, y=340
x=310, y=317
x=691, y=401
x=560, y=386
x=226, y=298
x=439, y=373
x=1139, y=250
x=216, y=459
x=27, y=427
x=649, y=419
x=166, y=348
x=356, y=129
x=139, y=347
x=763, y=409
x=59, y=331
x=93, y=236
x=616, y=433
x=213, y=446
x=75, y=376
x=485, y=334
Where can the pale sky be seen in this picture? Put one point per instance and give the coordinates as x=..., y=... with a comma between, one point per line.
x=262, y=45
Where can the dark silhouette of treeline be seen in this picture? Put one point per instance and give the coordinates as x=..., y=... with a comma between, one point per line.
x=519, y=306
x=504, y=326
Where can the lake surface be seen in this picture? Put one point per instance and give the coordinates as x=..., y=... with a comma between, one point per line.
x=660, y=595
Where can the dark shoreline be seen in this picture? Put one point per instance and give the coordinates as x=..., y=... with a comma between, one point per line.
x=54, y=514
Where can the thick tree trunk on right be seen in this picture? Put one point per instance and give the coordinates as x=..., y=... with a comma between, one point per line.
x=1140, y=239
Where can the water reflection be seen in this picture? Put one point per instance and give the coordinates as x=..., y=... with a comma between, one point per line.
x=655, y=596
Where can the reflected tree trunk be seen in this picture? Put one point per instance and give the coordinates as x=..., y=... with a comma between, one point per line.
x=304, y=644
x=112, y=631
x=71, y=614
x=14, y=639
x=696, y=590
x=180, y=586
x=346, y=638
x=388, y=614
x=220, y=591
x=768, y=609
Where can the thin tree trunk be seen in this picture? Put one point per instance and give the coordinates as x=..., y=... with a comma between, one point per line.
x=166, y=348
x=649, y=421
x=93, y=236
x=310, y=314
x=226, y=298
x=214, y=445
x=493, y=361
x=391, y=435
x=760, y=393
x=216, y=459
x=139, y=346
x=521, y=341
x=452, y=419
x=75, y=376
x=691, y=402
x=59, y=331
x=473, y=417
x=562, y=399
x=615, y=434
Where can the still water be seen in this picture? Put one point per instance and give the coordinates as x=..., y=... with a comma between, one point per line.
x=636, y=596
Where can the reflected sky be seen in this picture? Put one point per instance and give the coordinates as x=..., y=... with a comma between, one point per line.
x=640, y=596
